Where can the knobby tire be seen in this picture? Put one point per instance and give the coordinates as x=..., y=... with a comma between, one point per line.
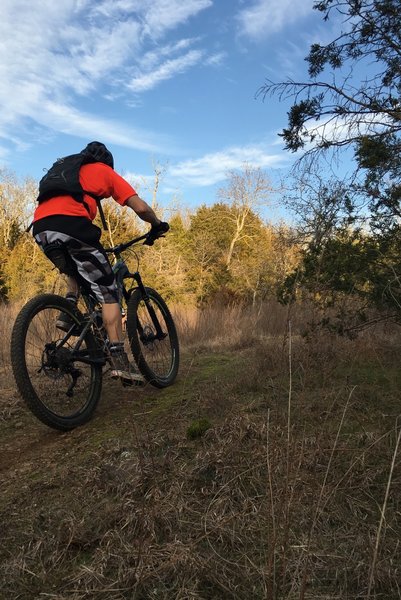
x=40, y=387
x=157, y=360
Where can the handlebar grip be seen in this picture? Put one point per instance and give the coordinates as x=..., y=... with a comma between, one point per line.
x=156, y=232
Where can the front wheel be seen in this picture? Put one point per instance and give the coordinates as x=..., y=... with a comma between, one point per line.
x=153, y=337
x=59, y=387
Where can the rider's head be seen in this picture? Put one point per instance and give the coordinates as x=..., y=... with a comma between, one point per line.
x=99, y=153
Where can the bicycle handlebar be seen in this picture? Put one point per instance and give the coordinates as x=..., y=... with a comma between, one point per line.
x=121, y=247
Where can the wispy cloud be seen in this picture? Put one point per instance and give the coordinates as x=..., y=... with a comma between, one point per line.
x=215, y=60
x=170, y=60
x=212, y=168
x=167, y=70
x=161, y=15
x=152, y=58
x=265, y=17
x=46, y=70
x=68, y=119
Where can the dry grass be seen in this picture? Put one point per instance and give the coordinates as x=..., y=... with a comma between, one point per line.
x=7, y=317
x=230, y=327
x=292, y=494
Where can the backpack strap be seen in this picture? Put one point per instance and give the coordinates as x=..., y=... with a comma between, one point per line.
x=101, y=213
x=99, y=206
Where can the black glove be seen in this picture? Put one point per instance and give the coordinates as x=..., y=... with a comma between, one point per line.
x=155, y=232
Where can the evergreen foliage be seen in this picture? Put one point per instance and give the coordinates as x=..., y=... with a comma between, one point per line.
x=351, y=108
x=350, y=230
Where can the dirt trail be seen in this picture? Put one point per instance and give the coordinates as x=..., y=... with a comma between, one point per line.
x=25, y=441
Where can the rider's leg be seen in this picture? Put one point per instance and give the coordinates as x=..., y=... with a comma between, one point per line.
x=64, y=321
x=72, y=286
x=111, y=313
x=113, y=322
x=120, y=364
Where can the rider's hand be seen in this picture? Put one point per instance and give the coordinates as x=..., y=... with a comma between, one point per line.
x=155, y=232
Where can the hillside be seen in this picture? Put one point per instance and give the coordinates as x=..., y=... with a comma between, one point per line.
x=281, y=497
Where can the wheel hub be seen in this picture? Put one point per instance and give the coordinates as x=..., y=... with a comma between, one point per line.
x=56, y=362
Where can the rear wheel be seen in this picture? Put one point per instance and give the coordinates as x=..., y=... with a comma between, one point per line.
x=60, y=389
x=153, y=337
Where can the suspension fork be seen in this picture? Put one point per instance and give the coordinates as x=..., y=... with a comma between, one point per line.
x=152, y=313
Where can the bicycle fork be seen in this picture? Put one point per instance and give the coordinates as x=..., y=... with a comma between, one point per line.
x=160, y=335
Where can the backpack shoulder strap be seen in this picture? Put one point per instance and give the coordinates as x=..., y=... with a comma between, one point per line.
x=99, y=207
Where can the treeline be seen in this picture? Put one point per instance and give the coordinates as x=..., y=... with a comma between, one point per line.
x=224, y=252
x=227, y=254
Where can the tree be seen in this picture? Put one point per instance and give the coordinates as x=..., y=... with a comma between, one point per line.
x=15, y=197
x=152, y=185
x=208, y=239
x=356, y=102
x=340, y=110
x=122, y=224
x=353, y=98
x=165, y=265
x=245, y=192
x=321, y=206
x=223, y=252
x=341, y=265
x=253, y=270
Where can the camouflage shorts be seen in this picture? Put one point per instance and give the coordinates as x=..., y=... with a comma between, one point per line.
x=86, y=263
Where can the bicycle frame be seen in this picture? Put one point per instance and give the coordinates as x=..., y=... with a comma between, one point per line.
x=121, y=274
x=59, y=373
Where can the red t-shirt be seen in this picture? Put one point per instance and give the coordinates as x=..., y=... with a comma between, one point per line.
x=97, y=178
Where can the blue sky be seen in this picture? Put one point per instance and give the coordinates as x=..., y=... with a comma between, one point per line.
x=171, y=81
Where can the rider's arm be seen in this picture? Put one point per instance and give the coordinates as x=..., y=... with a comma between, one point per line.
x=143, y=210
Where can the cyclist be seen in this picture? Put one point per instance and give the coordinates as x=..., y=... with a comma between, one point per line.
x=63, y=228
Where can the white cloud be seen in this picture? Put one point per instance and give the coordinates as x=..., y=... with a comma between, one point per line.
x=47, y=66
x=338, y=129
x=209, y=169
x=155, y=16
x=161, y=15
x=167, y=70
x=67, y=119
x=152, y=58
x=212, y=168
x=215, y=60
x=265, y=17
x=163, y=63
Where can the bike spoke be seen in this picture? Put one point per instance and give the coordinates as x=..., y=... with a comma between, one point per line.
x=52, y=373
x=156, y=352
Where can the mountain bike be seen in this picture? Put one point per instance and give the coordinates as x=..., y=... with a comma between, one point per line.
x=59, y=374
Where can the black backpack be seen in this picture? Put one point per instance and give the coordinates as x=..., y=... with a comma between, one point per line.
x=63, y=178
